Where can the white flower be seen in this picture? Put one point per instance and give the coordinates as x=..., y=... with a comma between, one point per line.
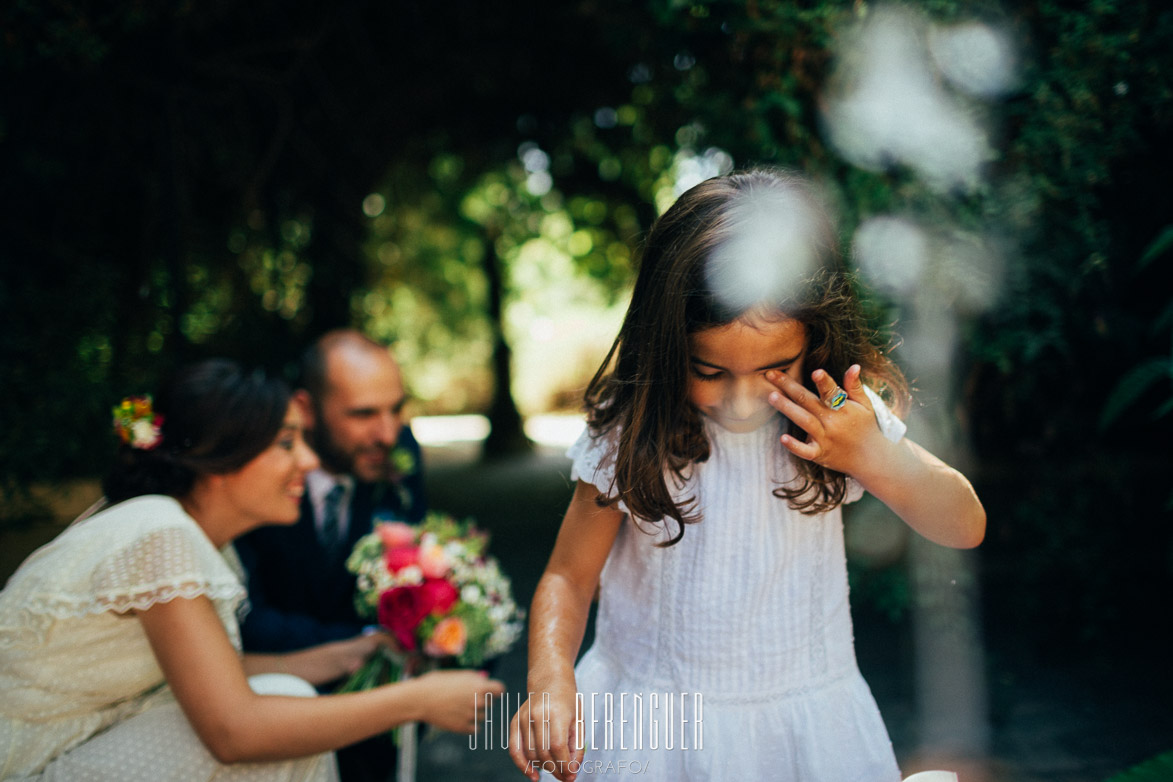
x=144, y=433
x=410, y=575
x=471, y=593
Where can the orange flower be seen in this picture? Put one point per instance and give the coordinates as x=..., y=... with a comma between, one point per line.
x=448, y=638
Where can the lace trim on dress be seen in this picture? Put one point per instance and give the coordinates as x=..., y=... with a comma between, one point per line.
x=128, y=558
x=29, y=625
x=64, y=608
x=593, y=461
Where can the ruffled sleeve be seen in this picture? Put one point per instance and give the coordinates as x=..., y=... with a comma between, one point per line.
x=891, y=426
x=128, y=558
x=593, y=461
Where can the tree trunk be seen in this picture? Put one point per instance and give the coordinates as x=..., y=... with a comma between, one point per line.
x=506, y=433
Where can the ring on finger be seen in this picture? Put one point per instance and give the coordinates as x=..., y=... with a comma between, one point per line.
x=837, y=399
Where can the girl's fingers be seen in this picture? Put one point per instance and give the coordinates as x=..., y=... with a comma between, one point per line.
x=516, y=749
x=808, y=450
x=525, y=752
x=799, y=416
x=795, y=391
x=853, y=385
x=825, y=384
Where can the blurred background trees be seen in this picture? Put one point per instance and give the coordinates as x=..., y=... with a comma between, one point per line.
x=472, y=182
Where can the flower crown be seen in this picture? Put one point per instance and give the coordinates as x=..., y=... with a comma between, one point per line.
x=137, y=424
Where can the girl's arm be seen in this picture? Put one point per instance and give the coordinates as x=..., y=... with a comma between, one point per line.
x=542, y=731
x=930, y=496
x=235, y=724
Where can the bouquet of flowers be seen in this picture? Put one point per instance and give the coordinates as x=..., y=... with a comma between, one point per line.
x=432, y=587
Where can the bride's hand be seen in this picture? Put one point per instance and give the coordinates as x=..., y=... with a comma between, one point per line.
x=455, y=699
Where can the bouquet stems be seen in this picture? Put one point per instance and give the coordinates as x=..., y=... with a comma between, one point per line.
x=383, y=668
x=386, y=667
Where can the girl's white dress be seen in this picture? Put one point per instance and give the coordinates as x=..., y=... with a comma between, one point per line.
x=730, y=654
x=81, y=696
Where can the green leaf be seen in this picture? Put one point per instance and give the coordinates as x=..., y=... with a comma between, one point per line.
x=1160, y=246
x=1133, y=386
x=1156, y=769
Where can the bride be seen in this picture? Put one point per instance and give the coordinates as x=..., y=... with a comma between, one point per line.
x=119, y=646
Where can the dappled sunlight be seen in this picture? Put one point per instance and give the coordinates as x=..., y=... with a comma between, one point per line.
x=556, y=431
x=559, y=352
x=691, y=168
x=562, y=262
x=443, y=429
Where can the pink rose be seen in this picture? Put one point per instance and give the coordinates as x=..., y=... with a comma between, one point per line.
x=399, y=558
x=395, y=534
x=433, y=561
x=449, y=638
x=401, y=609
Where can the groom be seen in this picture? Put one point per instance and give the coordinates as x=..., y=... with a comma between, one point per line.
x=351, y=396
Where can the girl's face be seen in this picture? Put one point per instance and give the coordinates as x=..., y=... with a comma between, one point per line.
x=728, y=365
x=270, y=487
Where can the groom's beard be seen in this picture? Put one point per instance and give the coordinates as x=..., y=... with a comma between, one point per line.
x=337, y=460
x=333, y=458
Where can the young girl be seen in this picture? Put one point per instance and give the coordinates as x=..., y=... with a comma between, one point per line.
x=719, y=450
x=119, y=646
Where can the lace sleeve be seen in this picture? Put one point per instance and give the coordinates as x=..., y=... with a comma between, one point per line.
x=128, y=558
x=593, y=461
x=159, y=567
x=892, y=427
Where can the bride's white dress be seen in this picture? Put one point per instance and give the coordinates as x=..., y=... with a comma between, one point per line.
x=742, y=630
x=83, y=698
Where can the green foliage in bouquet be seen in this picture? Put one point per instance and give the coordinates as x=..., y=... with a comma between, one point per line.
x=437, y=592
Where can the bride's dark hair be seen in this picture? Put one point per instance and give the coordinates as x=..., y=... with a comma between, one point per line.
x=216, y=418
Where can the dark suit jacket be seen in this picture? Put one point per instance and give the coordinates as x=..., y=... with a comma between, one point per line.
x=300, y=595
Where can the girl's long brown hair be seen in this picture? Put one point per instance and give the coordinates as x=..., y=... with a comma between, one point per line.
x=641, y=388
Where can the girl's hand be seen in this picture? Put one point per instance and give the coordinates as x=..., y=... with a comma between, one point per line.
x=543, y=733
x=455, y=700
x=930, y=496
x=837, y=439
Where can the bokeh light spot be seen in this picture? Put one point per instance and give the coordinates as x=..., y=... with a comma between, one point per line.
x=373, y=205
